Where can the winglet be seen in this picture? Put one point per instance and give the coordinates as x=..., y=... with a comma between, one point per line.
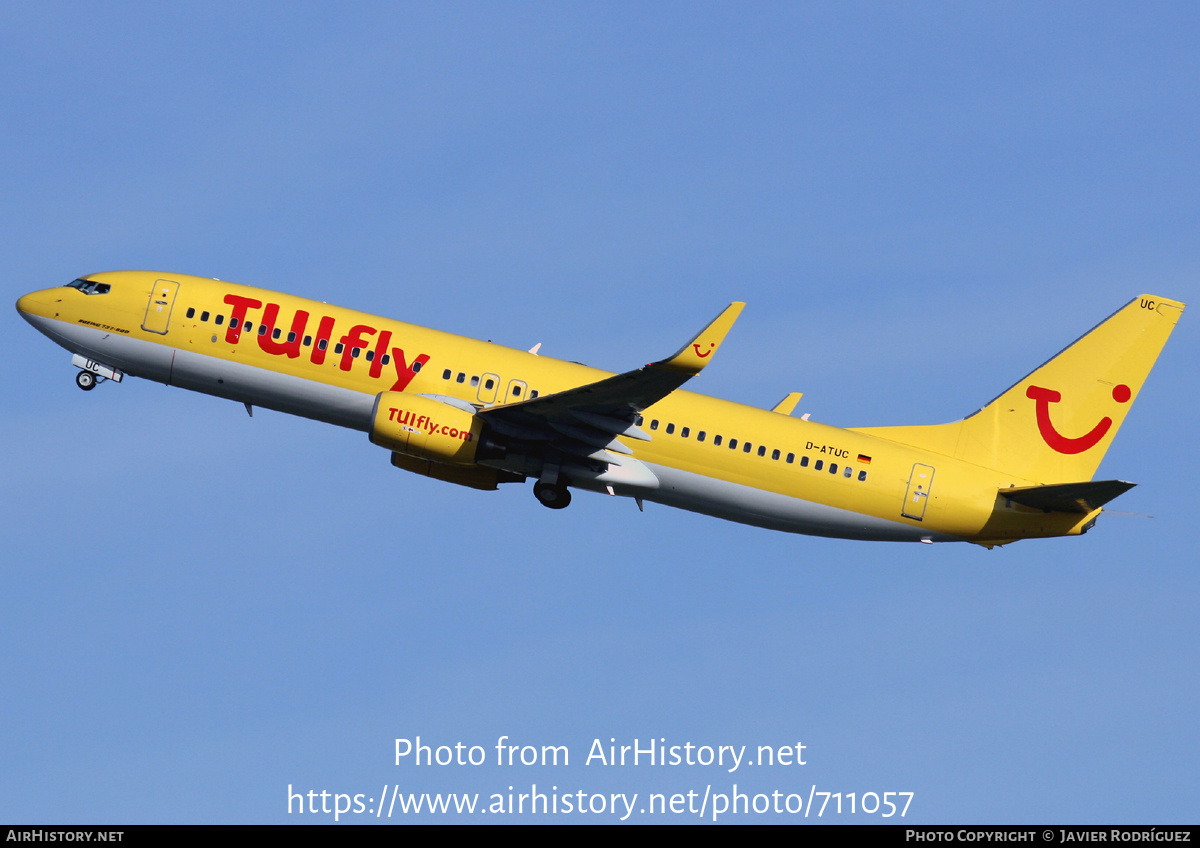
x=693, y=356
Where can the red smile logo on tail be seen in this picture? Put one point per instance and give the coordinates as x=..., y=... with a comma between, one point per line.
x=1057, y=440
x=711, y=348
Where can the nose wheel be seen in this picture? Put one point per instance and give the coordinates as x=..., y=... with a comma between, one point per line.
x=555, y=496
x=92, y=372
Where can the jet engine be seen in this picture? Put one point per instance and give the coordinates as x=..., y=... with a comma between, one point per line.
x=426, y=428
x=436, y=437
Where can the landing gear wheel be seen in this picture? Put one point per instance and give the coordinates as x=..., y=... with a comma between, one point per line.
x=86, y=380
x=555, y=497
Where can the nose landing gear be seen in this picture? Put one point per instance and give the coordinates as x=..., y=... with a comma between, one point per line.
x=92, y=372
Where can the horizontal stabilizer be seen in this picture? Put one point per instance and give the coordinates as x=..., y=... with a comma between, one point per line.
x=785, y=406
x=1068, y=497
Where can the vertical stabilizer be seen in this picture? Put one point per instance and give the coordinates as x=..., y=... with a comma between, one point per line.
x=1056, y=424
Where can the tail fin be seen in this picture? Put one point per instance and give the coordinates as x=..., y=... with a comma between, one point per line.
x=1056, y=424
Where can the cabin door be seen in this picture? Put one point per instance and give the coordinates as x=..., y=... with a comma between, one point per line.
x=158, y=310
x=918, y=491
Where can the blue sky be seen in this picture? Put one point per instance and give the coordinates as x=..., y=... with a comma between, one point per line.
x=919, y=203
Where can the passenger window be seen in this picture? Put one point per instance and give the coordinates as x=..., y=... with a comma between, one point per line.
x=775, y=454
x=747, y=447
x=370, y=355
x=670, y=429
x=654, y=424
x=291, y=337
x=818, y=464
x=247, y=326
x=533, y=394
x=322, y=344
x=203, y=316
x=762, y=450
x=791, y=457
x=461, y=377
x=474, y=381
x=849, y=472
x=446, y=374
x=684, y=432
x=700, y=436
x=191, y=313
x=262, y=329
x=339, y=347
x=638, y=423
x=862, y=475
x=355, y=351
x=387, y=358
x=717, y=441
x=276, y=333
x=416, y=366
x=833, y=468
x=219, y=320
x=308, y=341
x=804, y=462
x=733, y=444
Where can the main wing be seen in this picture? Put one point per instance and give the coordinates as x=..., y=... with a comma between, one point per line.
x=582, y=424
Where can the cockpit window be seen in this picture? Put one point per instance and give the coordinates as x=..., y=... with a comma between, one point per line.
x=89, y=287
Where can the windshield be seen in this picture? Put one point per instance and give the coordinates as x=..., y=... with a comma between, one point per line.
x=89, y=287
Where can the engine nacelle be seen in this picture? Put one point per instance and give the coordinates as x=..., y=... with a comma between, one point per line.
x=425, y=428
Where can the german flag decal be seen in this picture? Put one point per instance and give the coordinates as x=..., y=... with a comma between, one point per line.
x=864, y=459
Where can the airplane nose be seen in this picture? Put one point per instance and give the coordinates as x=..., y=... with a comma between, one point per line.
x=33, y=305
x=26, y=304
x=36, y=302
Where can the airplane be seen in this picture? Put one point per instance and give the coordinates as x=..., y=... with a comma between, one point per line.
x=480, y=414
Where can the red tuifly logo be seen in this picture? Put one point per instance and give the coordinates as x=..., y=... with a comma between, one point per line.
x=1055, y=439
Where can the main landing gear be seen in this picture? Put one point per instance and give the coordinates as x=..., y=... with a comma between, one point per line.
x=553, y=495
x=86, y=380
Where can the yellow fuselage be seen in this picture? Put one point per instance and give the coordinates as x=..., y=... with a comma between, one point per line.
x=329, y=363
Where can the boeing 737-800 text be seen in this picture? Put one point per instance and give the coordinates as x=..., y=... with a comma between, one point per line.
x=480, y=414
